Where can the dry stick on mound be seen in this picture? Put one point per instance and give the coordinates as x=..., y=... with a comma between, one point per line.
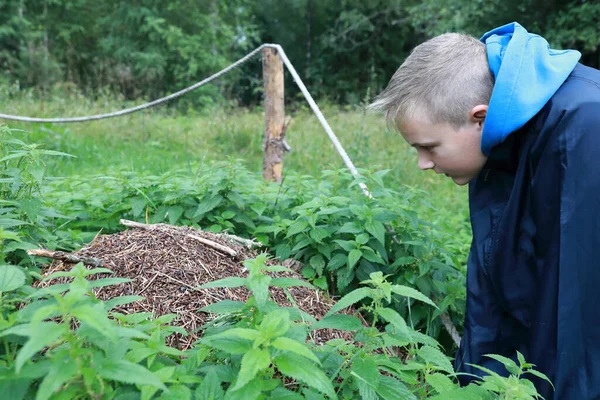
x=210, y=243
x=67, y=257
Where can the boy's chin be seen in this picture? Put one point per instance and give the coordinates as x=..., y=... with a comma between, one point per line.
x=460, y=181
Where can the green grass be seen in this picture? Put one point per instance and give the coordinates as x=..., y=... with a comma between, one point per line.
x=155, y=141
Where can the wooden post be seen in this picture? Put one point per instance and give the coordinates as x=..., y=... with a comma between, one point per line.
x=274, y=140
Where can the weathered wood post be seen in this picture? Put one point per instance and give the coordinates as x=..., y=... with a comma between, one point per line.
x=273, y=144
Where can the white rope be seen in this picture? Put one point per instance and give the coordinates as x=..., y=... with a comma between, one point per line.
x=288, y=64
x=142, y=106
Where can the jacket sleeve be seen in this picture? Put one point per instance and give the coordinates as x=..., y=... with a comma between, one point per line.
x=578, y=299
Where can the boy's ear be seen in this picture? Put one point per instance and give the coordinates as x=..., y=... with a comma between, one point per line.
x=478, y=113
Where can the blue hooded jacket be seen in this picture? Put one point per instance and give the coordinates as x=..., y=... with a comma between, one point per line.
x=527, y=73
x=533, y=275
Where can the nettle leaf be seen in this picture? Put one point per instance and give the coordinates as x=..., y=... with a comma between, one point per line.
x=436, y=358
x=128, y=372
x=224, y=307
x=210, y=387
x=253, y=362
x=297, y=227
x=440, y=383
x=337, y=261
x=390, y=388
x=318, y=234
x=361, y=239
x=61, y=372
x=509, y=364
x=402, y=261
x=377, y=229
x=229, y=344
x=366, y=370
x=318, y=263
x=11, y=278
x=350, y=227
x=259, y=286
x=412, y=293
x=305, y=371
x=41, y=335
x=339, y=321
x=290, y=282
x=351, y=298
x=395, y=319
x=276, y=323
x=207, y=205
x=286, y=344
x=353, y=257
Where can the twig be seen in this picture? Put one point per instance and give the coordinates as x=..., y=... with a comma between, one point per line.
x=67, y=257
x=209, y=243
x=447, y=322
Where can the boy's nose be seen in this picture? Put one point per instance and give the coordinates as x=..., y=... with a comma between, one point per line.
x=425, y=163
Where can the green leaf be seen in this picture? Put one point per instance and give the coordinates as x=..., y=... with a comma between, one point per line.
x=353, y=257
x=259, y=286
x=376, y=229
x=440, y=383
x=231, y=282
x=540, y=375
x=229, y=344
x=437, y=358
x=303, y=370
x=286, y=344
x=242, y=333
x=361, y=239
x=42, y=335
x=412, y=293
x=351, y=298
x=318, y=263
x=290, y=282
x=210, y=387
x=253, y=362
x=339, y=321
x=401, y=261
x=395, y=319
x=337, y=261
x=274, y=324
x=390, y=388
x=318, y=234
x=284, y=394
x=350, y=227
x=297, y=227
x=11, y=278
x=128, y=372
x=61, y=372
x=366, y=370
x=207, y=205
x=509, y=364
x=224, y=307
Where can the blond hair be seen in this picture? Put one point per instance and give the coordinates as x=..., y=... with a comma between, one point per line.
x=440, y=82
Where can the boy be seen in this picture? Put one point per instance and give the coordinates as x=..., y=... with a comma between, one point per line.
x=520, y=123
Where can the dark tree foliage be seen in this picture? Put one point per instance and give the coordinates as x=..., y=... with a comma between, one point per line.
x=346, y=50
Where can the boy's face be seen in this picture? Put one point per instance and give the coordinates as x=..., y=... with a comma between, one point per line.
x=440, y=147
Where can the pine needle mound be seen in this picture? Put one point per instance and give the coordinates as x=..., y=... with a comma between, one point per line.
x=166, y=264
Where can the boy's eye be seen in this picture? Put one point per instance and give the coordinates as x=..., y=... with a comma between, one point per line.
x=427, y=148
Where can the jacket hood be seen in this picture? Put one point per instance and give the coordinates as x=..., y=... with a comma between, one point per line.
x=527, y=73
